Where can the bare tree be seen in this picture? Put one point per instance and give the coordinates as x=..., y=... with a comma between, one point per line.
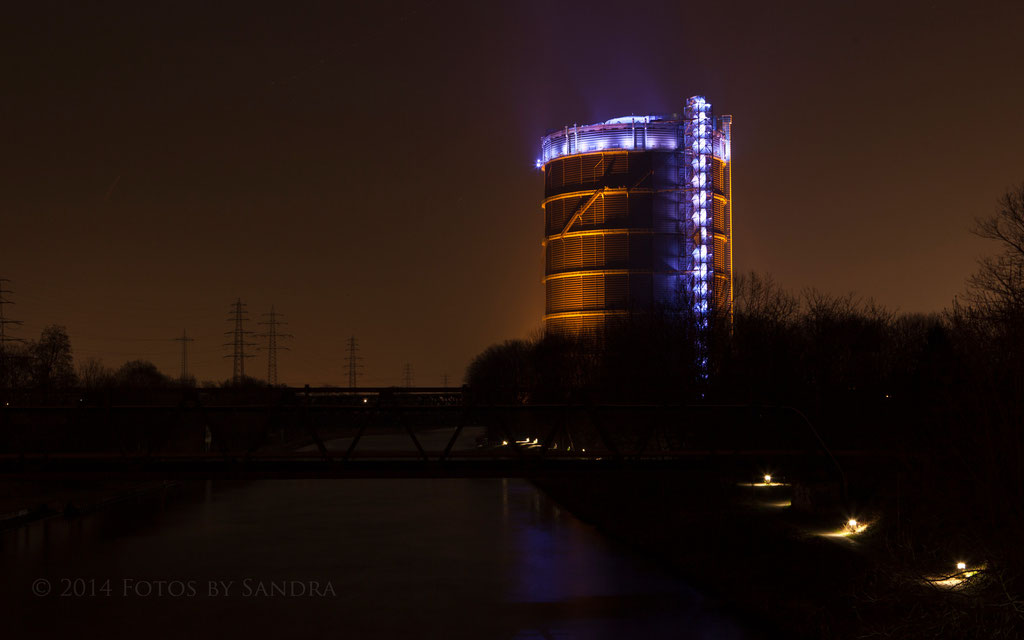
x=93, y=374
x=997, y=289
x=758, y=297
x=53, y=365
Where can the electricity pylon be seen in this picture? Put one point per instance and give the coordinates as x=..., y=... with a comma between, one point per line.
x=184, y=340
x=4, y=321
x=4, y=338
x=354, y=362
x=239, y=341
x=272, y=335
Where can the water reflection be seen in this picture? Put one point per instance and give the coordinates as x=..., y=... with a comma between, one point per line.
x=406, y=559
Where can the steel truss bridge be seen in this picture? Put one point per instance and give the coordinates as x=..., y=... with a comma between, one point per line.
x=372, y=432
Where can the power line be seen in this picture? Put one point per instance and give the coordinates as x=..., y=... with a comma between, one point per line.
x=239, y=343
x=272, y=336
x=354, y=360
x=184, y=340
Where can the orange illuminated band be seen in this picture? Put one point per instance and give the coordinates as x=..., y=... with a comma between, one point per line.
x=594, y=272
x=603, y=232
x=609, y=272
x=584, y=314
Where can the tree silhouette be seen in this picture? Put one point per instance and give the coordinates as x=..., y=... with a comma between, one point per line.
x=997, y=289
x=93, y=374
x=140, y=374
x=52, y=364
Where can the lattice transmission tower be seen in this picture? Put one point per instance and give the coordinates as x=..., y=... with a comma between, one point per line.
x=239, y=317
x=184, y=340
x=273, y=335
x=4, y=320
x=4, y=337
x=407, y=375
x=354, y=361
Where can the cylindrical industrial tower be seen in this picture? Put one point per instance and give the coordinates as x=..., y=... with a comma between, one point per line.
x=638, y=214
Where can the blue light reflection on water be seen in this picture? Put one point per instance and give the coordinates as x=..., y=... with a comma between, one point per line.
x=582, y=587
x=408, y=559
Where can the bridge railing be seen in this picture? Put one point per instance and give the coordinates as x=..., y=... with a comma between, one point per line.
x=432, y=427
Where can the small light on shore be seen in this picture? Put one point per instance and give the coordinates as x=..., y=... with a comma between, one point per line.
x=848, y=530
x=767, y=478
x=957, y=579
x=504, y=443
x=364, y=400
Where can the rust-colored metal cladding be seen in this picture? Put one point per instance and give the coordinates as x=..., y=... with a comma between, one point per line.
x=637, y=214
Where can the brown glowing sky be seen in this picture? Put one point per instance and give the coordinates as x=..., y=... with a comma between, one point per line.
x=369, y=169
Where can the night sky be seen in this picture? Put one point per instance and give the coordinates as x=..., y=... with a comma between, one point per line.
x=369, y=169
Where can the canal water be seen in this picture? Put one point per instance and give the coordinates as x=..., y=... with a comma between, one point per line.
x=340, y=558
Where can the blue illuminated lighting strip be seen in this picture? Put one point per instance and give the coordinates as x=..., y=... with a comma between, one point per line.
x=697, y=139
x=628, y=133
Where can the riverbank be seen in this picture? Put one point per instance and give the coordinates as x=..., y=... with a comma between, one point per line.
x=794, y=573
x=777, y=568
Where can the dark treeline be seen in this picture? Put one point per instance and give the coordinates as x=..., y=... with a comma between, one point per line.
x=872, y=376
x=44, y=371
x=942, y=391
x=47, y=366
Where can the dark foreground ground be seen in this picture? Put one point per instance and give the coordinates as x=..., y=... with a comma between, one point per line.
x=792, y=573
x=786, y=570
